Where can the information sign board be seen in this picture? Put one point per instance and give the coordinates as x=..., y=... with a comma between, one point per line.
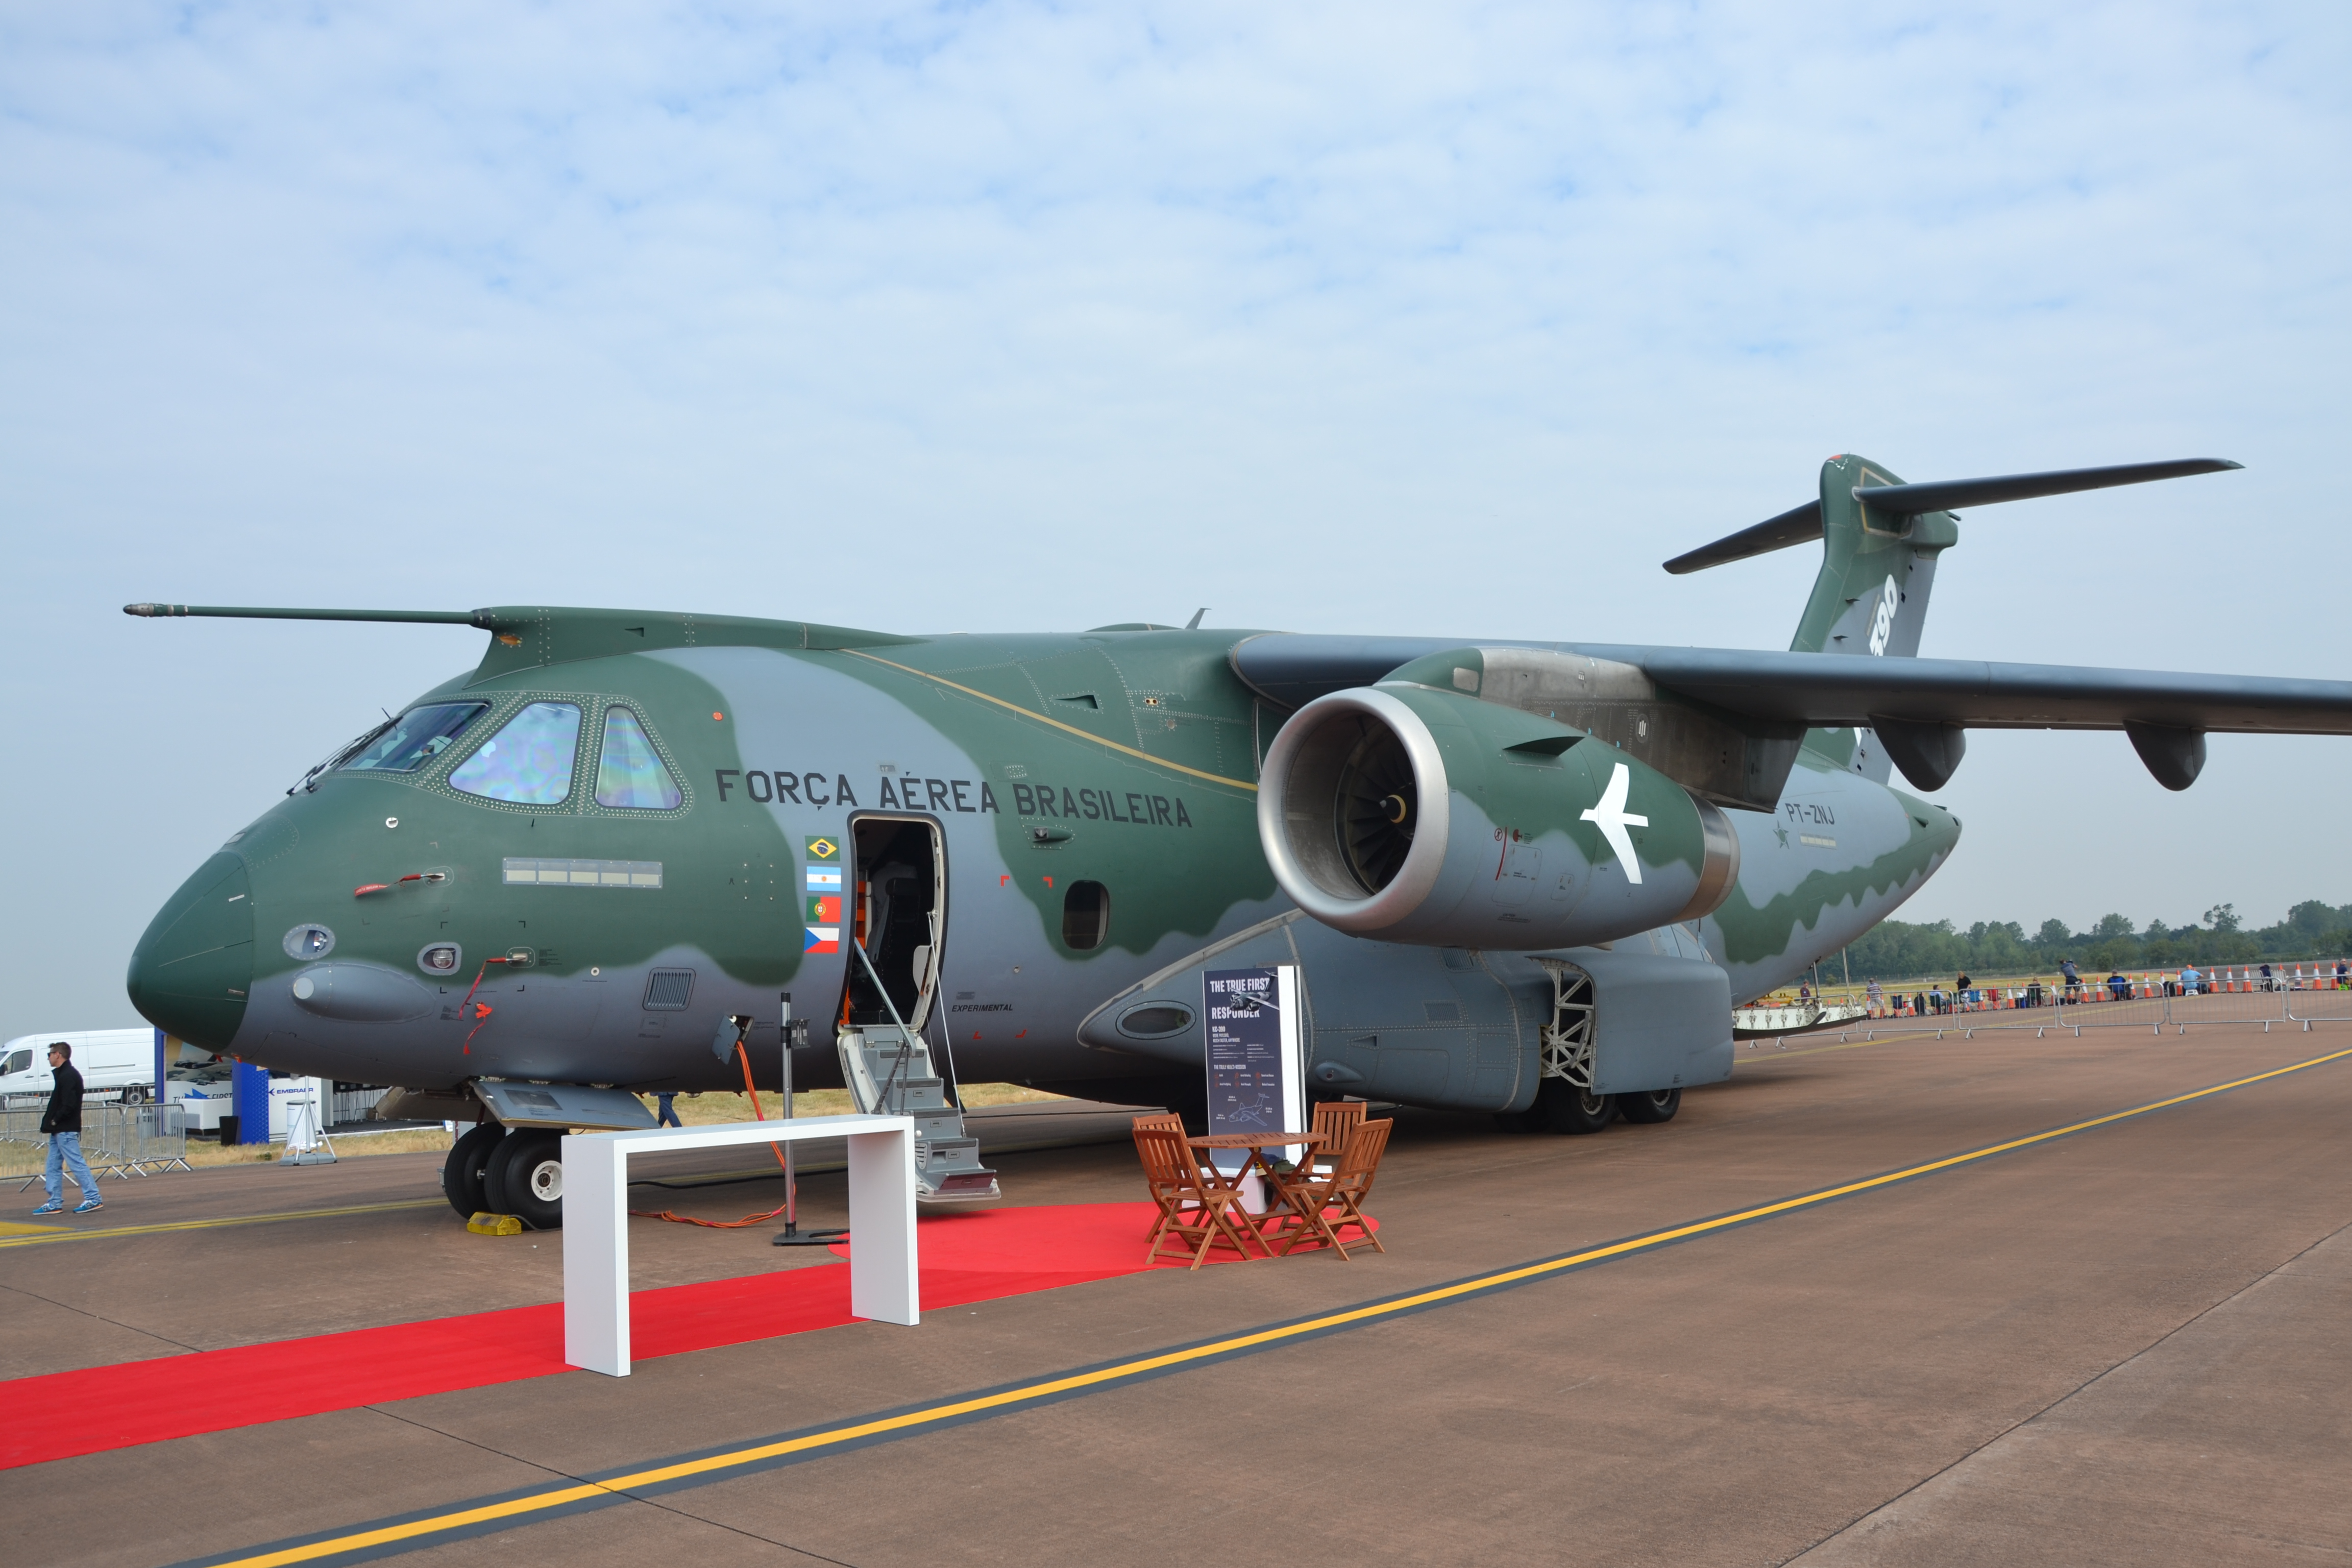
x=1257, y=1076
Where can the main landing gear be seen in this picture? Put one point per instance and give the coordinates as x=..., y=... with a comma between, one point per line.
x=1565, y=1101
x=1652, y=1107
x=1564, y=1107
x=492, y=1170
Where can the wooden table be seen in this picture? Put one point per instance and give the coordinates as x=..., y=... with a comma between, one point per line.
x=1258, y=1143
x=1255, y=1139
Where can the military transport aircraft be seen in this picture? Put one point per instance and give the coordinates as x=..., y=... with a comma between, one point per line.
x=1522, y=878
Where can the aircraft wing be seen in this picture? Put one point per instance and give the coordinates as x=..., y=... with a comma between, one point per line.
x=1834, y=689
x=1920, y=707
x=1820, y=690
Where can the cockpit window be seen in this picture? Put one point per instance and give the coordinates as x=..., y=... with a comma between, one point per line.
x=529, y=762
x=414, y=739
x=630, y=773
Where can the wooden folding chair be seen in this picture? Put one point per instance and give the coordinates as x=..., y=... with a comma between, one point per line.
x=1165, y=1182
x=1312, y=1191
x=1196, y=1211
x=1335, y=1120
x=1352, y=1183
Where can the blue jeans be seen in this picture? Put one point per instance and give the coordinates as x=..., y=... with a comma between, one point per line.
x=65, y=1152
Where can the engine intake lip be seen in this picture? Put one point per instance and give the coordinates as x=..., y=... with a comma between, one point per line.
x=1299, y=817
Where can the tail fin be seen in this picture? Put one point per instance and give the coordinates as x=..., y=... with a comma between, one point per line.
x=1887, y=544
x=1878, y=567
x=1880, y=540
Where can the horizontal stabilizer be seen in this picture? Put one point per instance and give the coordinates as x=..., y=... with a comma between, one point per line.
x=1949, y=495
x=1798, y=525
x=1803, y=524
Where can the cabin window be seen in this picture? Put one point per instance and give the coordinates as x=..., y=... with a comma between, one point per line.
x=630, y=773
x=17, y=1061
x=415, y=738
x=1086, y=916
x=527, y=762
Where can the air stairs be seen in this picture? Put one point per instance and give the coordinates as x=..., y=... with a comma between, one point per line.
x=1751, y=1023
x=888, y=1071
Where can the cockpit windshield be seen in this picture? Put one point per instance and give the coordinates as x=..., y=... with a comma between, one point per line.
x=529, y=762
x=414, y=739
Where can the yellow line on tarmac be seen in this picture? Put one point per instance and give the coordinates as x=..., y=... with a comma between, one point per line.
x=953, y=1410
x=99, y=1233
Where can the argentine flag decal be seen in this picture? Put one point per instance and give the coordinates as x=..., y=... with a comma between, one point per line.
x=823, y=865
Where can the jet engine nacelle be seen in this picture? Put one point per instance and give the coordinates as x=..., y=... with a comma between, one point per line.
x=1416, y=815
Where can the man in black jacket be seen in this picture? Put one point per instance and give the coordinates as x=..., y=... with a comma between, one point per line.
x=62, y=1122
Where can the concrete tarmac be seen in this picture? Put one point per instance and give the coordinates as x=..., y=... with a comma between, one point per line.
x=2124, y=1345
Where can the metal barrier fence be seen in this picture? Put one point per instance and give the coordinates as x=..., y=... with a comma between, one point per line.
x=117, y=1140
x=2302, y=996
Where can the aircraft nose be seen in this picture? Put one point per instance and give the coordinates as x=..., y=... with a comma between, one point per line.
x=190, y=972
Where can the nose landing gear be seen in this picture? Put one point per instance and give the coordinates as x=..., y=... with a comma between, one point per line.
x=525, y=1178
x=463, y=1176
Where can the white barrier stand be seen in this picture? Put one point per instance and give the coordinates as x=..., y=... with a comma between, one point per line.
x=883, y=1284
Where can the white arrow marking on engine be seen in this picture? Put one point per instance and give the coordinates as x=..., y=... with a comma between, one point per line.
x=1610, y=817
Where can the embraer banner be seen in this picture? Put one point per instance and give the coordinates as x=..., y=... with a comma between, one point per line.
x=1256, y=1078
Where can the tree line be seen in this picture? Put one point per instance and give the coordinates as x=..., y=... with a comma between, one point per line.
x=1895, y=950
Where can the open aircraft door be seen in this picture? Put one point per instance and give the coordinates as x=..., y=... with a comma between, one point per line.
x=897, y=895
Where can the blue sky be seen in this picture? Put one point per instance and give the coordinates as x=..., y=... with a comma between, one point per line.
x=1454, y=319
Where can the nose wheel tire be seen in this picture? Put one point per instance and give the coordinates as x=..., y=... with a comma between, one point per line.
x=1565, y=1108
x=1651, y=1106
x=465, y=1173
x=526, y=1179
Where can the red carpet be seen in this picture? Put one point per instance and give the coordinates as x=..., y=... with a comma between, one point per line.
x=965, y=1257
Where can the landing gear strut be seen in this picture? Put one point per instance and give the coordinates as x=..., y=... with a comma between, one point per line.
x=1565, y=1101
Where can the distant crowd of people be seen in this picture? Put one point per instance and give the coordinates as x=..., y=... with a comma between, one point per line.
x=1965, y=994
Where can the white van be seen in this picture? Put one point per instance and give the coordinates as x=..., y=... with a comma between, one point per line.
x=110, y=1060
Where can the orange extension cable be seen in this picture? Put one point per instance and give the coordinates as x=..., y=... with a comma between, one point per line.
x=757, y=1115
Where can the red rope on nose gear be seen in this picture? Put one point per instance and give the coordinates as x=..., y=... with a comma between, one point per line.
x=467, y=1049
x=757, y=1115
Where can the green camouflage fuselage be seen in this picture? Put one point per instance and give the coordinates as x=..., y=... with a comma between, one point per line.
x=1127, y=758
